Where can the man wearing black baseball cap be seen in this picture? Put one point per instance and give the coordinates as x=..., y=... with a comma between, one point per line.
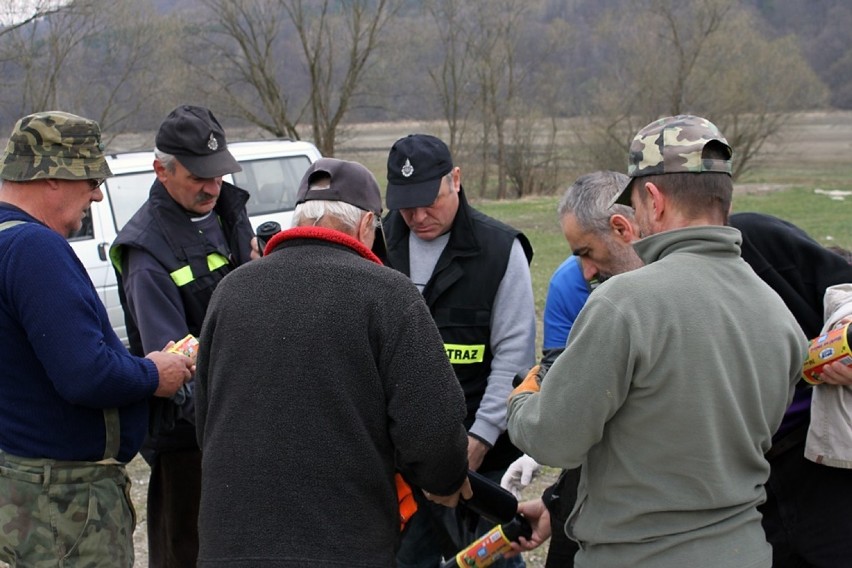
x=190, y=233
x=474, y=274
x=333, y=378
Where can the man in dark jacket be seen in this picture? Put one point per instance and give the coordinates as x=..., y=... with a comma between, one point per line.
x=192, y=231
x=320, y=375
x=808, y=511
x=474, y=274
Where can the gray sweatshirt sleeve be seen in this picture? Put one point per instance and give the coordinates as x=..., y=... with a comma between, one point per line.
x=512, y=343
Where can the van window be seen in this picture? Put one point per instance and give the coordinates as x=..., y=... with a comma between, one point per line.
x=272, y=183
x=127, y=193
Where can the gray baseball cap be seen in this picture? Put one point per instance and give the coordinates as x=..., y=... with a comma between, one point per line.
x=350, y=182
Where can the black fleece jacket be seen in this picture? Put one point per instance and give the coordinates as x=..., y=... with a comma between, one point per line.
x=320, y=374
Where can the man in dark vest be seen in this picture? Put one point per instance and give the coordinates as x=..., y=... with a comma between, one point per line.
x=190, y=233
x=473, y=272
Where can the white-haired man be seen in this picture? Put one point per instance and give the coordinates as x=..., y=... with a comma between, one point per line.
x=321, y=374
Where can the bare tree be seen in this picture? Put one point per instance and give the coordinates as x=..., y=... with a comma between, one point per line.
x=45, y=49
x=357, y=24
x=249, y=51
x=16, y=14
x=452, y=78
x=89, y=58
x=495, y=35
x=336, y=40
x=705, y=57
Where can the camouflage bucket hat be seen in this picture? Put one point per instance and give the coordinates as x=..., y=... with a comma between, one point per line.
x=54, y=145
x=674, y=145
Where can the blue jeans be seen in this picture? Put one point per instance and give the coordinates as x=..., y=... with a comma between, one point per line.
x=421, y=545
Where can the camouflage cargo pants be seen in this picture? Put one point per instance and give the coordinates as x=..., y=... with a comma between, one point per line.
x=66, y=514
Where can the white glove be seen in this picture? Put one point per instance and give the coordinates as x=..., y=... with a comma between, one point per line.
x=519, y=474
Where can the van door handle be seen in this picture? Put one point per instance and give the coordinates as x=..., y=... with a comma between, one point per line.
x=102, y=250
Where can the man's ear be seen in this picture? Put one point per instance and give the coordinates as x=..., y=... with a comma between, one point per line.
x=658, y=200
x=622, y=228
x=365, y=227
x=160, y=171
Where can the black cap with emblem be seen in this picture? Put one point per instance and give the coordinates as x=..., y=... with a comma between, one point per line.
x=194, y=136
x=416, y=165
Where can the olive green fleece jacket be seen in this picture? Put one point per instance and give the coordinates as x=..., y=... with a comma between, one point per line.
x=674, y=379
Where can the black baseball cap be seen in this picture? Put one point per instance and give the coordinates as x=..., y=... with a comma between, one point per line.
x=194, y=136
x=349, y=182
x=416, y=165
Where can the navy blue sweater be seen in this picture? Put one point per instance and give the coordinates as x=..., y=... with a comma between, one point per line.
x=61, y=363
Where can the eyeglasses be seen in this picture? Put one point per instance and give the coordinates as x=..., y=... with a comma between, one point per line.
x=95, y=183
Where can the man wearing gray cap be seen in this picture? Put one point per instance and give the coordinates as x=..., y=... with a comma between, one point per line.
x=321, y=375
x=675, y=376
x=190, y=233
x=73, y=401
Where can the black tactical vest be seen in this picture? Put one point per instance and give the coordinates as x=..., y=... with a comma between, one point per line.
x=196, y=267
x=460, y=295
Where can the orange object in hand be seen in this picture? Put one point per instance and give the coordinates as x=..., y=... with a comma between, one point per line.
x=187, y=346
x=407, y=504
x=530, y=384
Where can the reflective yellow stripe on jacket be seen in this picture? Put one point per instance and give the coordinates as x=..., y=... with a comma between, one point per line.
x=183, y=275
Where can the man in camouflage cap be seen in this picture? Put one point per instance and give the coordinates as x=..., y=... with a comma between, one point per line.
x=73, y=401
x=674, y=377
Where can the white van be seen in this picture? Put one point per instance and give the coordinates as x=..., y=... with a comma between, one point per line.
x=272, y=170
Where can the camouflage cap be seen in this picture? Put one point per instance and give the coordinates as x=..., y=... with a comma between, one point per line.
x=674, y=145
x=54, y=145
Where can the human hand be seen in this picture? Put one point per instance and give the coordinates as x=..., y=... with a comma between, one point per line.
x=464, y=492
x=255, y=249
x=531, y=383
x=519, y=474
x=836, y=373
x=174, y=369
x=476, y=450
x=539, y=518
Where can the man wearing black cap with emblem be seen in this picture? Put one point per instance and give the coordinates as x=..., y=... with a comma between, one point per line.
x=190, y=233
x=474, y=274
x=321, y=374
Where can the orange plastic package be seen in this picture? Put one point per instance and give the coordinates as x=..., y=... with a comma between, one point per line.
x=187, y=346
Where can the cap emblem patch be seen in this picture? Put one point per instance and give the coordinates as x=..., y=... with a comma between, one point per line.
x=407, y=168
x=212, y=143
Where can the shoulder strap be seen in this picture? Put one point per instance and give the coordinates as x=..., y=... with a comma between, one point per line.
x=9, y=224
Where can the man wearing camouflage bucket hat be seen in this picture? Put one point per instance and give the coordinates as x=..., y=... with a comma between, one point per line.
x=674, y=378
x=73, y=401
